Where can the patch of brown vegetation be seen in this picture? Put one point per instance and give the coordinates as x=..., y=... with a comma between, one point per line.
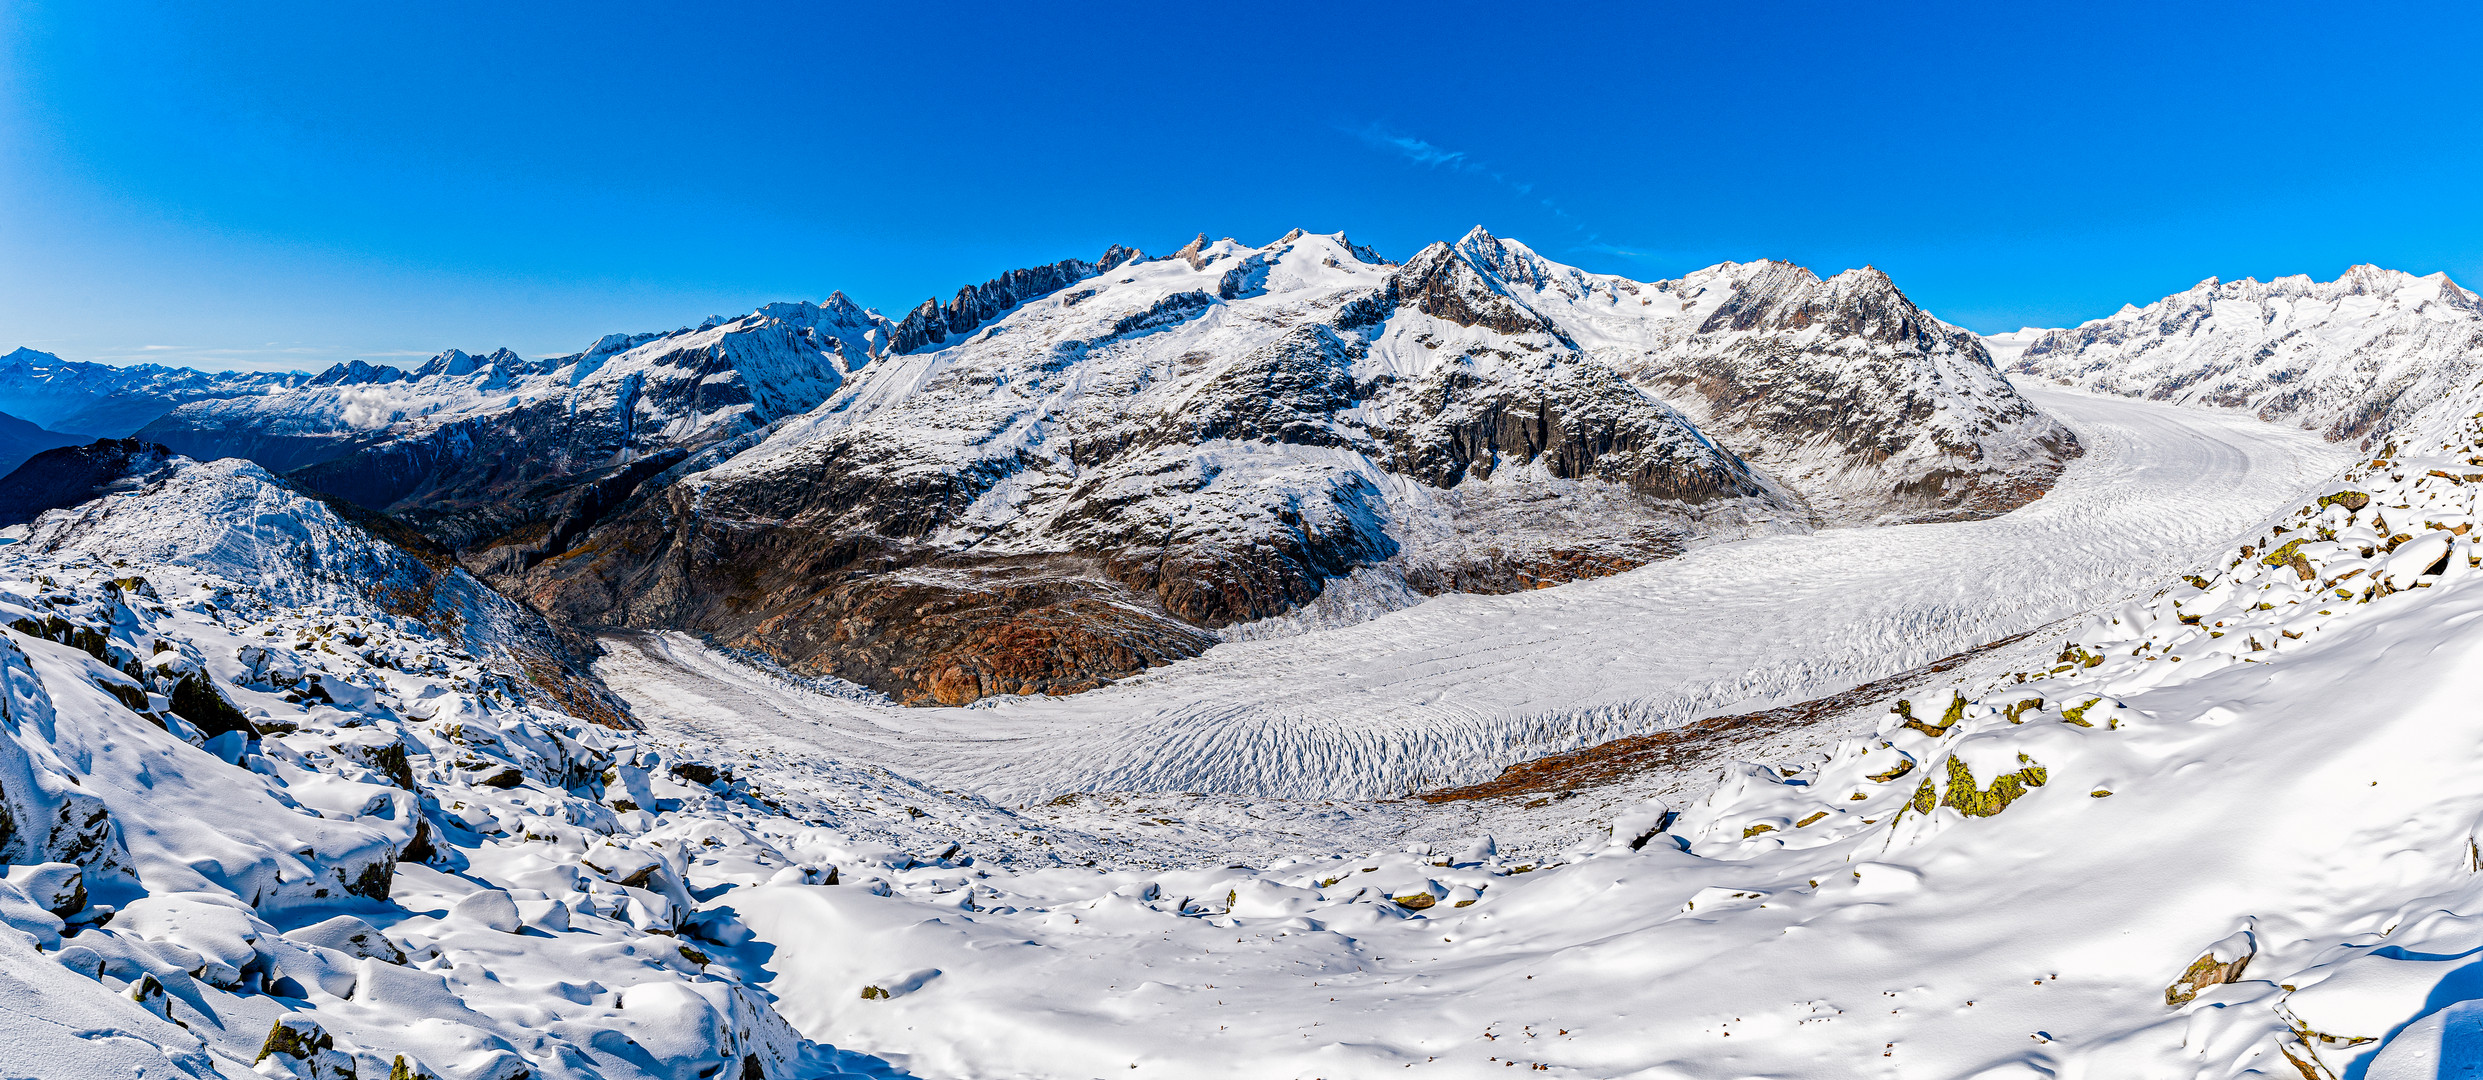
x=953, y=637
x=1689, y=745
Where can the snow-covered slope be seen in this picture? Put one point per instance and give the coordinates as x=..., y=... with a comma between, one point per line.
x=1074, y=491
x=1872, y=409
x=275, y=793
x=1451, y=690
x=2223, y=828
x=475, y=448
x=2350, y=358
x=111, y=401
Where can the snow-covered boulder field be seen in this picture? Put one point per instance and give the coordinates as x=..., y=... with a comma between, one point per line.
x=278, y=798
x=2227, y=828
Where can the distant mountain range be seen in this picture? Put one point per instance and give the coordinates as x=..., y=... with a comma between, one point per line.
x=1075, y=471
x=2349, y=358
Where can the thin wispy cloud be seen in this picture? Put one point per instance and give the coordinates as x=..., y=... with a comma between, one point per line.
x=1430, y=155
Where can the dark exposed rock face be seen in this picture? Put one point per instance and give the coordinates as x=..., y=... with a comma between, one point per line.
x=64, y=477
x=931, y=324
x=1113, y=470
x=493, y=452
x=20, y=440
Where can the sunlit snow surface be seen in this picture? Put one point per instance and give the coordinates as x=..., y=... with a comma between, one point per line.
x=1454, y=689
x=2266, y=759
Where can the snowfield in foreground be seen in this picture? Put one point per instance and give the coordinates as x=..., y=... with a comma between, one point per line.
x=2224, y=829
x=1455, y=688
x=288, y=802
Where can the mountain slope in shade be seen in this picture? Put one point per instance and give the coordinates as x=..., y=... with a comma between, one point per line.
x=1081, y=487
x=70, y=475
x=473, y=449
x=1843, y=389
x=2350, y=358
x=89, y=399
x=20, y=440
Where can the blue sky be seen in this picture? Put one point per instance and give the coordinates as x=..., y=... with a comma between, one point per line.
x=276, y=185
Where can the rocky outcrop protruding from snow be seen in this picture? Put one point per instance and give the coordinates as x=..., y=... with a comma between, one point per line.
x=930, y=323
x=232, y=519
x=1081, y=489
x=2350, y=358
x=495, y=854
x=1843, y=389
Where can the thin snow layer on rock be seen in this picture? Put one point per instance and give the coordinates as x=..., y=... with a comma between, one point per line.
x=2228, y=829
x=1843, y=389
x=1452, y=690
x=283, y=549
x=246, y=797
x=779, y=359
x=2349, y=358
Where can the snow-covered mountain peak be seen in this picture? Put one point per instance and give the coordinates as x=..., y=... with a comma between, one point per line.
x=2351, y=357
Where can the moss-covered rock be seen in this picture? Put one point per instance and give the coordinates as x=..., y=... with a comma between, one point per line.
x=2204, y=972
x=1966, y=798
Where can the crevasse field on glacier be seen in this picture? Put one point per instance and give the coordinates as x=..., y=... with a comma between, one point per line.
x=1452, y=690
x=2213, y=830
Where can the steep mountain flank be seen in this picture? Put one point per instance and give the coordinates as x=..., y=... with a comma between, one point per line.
x=1086, y=485
x=1843, y=389
x=2350, y=358
x=1073, y=472
x=498, y=451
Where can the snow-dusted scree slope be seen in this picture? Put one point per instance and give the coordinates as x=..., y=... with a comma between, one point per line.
x=2226, y=828
x=2350, y=358
x=1455, y=689
x=279, y=798
x=1088, y=484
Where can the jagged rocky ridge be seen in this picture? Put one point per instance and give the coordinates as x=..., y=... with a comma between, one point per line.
x=1094, y=480
x=1077, y=471
x=80, y=398
x=2350, y=358
x=500, y=451
x=1869, y=407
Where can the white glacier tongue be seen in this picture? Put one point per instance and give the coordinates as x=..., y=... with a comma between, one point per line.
x=1452, y=690
x=2226, y=828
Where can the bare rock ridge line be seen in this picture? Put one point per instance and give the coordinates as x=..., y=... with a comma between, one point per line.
x=1075, y=472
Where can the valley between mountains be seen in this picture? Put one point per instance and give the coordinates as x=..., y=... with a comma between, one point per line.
x=1449, y=692
x=1272, y=661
